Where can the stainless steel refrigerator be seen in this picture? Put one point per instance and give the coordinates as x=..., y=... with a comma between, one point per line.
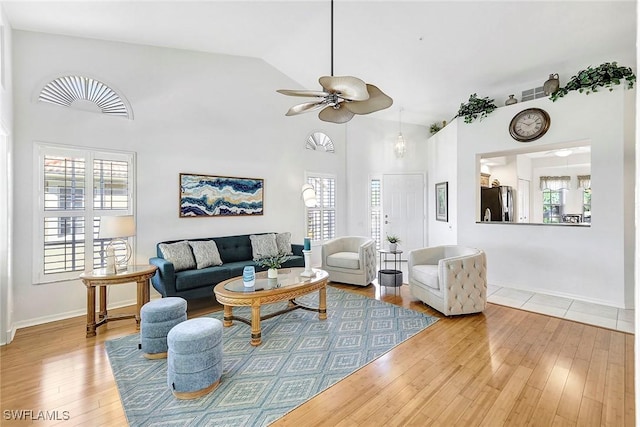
x=496, y=204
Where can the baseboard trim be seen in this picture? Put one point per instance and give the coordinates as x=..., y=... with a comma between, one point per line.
x=68, y=315
x=8, y=336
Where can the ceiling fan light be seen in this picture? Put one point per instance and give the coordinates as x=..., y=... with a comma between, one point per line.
x=347, y=87
x=336, y=114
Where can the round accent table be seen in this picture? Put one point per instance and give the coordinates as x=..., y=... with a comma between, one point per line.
x=390, y=277
x=101, y=279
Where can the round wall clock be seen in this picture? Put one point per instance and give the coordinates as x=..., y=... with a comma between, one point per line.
x=529, y=125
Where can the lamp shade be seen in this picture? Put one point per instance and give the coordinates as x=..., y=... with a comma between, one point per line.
x=309, y=196
x=117, y=226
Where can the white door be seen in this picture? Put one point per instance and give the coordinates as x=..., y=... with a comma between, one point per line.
x=524, y=196
x=403, y=210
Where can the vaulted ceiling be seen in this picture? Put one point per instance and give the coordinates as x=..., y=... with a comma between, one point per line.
x=429, y=56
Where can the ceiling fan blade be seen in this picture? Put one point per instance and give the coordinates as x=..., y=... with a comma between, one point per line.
x=378, y=100
x=336, y=115
x=305, y=108
x=303, y=93
x=348, y=87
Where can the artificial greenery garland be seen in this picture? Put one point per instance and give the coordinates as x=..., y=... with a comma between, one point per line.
x=589, y=80
x=476, y=107
x=436, y=127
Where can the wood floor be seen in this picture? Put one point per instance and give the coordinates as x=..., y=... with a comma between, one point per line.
x=502, y=367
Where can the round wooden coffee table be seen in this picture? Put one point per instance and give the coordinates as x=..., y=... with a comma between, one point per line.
x=287, y=287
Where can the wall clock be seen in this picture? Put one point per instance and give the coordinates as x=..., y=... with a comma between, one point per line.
x=529, y=125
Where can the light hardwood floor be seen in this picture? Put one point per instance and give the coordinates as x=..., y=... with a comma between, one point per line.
x=502, y=367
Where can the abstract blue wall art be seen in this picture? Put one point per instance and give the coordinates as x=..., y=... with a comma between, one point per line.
x=206, y=195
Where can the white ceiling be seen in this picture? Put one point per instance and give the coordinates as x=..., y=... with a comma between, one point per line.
x=429, y=56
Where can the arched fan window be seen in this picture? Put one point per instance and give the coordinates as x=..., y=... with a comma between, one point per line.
x=85, y=93
x=320, y=141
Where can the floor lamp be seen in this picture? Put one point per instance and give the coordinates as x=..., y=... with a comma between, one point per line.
x=117, y=228
x=310, y=201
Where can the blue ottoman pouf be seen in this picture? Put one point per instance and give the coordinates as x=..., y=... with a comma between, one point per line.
x=194, y=362
x=157, y=317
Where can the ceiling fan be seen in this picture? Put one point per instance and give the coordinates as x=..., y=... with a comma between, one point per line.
x=341, y=97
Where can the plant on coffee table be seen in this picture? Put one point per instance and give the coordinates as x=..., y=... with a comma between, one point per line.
x=273, y=263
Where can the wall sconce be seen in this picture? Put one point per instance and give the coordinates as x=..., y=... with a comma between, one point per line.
x=400, y=147
x=117, y=228
x=309, y=196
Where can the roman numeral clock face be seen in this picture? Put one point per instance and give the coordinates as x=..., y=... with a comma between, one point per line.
x=529, y=125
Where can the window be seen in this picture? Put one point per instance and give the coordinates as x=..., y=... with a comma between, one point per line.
x=552, y=206
x=75, y=188
x=586, y=205
x=554, y=190
x=375, y=208
x=321, y=220
x=584, y=182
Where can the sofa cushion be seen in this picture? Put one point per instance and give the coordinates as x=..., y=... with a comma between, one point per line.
x=349, y=260
x=427, y=275
x=209, y=276
x=263, y=245
x=236, y=268
x=283, y=242
x=179, y=254
x=293, y=261
x=206, y=253
x=234, y=248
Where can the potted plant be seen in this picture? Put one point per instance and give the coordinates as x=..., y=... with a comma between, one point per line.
x=607, y=75
x=476, y=107
x=436, y=127
x=273, y=263
x=393, y=242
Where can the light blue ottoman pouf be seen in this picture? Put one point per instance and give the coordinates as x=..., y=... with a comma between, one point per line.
x=157, y=317
x=194, y=361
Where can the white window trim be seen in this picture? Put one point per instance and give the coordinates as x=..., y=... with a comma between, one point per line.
x=40, y=150
x=335, y=209
x=370, y=208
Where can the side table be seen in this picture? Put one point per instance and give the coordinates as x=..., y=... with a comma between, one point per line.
x=390, y=277
x=101, y=279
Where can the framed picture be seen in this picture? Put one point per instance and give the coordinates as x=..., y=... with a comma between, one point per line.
x=442, y=201
x=207, y=195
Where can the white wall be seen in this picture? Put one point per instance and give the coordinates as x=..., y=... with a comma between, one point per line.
x=7, y=328
x=588, y=263
x=194, y=113
x=370, y=153
x=442, y=151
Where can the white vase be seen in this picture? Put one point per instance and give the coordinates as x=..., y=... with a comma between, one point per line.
x=272, y=273
x=393, y=247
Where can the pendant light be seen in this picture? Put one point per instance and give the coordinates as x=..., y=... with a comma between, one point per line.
x=400, y=146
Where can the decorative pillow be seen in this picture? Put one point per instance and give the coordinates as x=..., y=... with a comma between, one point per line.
x=283, y=242
x=206, y=253
x=179, y=254
x=263, y=246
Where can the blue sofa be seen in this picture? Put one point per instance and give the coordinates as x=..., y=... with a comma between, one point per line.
x=236, y=253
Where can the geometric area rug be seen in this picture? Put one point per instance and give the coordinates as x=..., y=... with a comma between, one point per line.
x=300, y=356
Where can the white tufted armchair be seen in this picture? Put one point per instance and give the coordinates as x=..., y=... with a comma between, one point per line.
x=450, y=279
x=350, y=260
